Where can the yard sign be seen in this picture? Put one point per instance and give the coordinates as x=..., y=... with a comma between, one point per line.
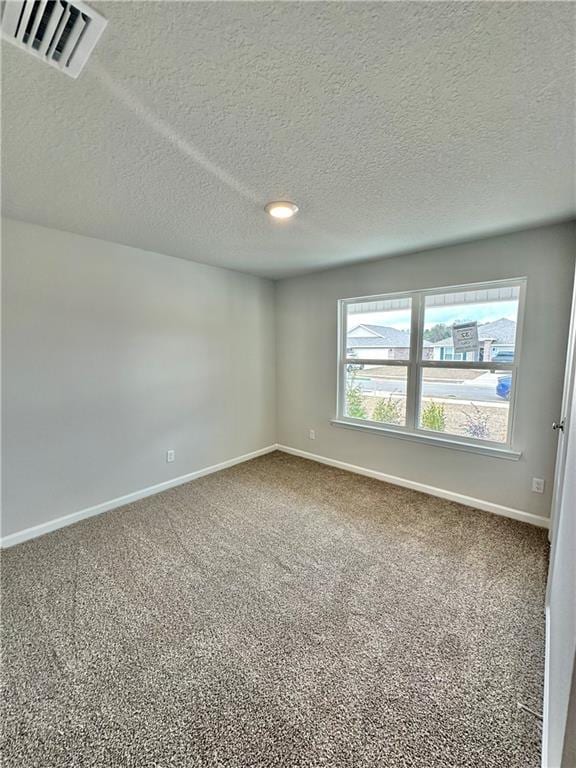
x=465, y=337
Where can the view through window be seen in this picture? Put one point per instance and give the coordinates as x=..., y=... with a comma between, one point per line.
x=439, y=362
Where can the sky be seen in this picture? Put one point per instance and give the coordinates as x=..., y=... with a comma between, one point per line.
x=482, y=313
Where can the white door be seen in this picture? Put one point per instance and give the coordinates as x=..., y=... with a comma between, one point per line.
x=557, y=741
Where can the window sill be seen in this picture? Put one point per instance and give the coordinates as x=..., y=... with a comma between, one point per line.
x=443, y=442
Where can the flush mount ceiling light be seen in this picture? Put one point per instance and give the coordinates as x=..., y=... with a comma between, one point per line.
x=281, y=209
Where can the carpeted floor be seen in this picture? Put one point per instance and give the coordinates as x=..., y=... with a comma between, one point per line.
x=279, y=613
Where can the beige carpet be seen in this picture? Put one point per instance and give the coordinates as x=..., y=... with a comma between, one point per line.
x=279, y=613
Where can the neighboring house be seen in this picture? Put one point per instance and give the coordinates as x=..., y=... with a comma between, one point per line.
x=381, y=342
x=495, y=337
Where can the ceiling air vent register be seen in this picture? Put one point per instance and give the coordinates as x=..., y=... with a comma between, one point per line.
x=60, y=33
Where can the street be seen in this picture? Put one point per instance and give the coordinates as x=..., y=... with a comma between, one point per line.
x=475, y=390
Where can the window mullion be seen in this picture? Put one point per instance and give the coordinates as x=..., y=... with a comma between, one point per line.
x=413, y=367
x=419, y=360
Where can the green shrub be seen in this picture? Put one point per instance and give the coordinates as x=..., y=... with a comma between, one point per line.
x=355, y=407
x=388, y=410
x=434, y=417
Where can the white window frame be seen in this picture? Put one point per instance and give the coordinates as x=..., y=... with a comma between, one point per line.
x=415, y=365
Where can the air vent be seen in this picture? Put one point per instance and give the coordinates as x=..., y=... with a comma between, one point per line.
x=60, y=33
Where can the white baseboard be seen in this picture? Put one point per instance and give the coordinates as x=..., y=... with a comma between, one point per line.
x=468, y=501
x=74, y=517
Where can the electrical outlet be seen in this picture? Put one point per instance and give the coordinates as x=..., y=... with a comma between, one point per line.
x=170, y=456
x=312, y=434
x=537, y=485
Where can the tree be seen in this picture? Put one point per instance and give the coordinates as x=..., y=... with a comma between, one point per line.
x=438, y=332
x=354, y=403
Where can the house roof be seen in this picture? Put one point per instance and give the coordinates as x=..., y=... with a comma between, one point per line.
x=502, y=331
x=386, y=337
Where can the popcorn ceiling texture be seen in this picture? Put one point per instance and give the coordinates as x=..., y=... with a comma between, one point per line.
x=278, y=614
x=394, y=126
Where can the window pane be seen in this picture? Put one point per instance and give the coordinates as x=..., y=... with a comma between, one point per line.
x=494, y=310
x=379, y=330
x=376, y=393
x=466, y=403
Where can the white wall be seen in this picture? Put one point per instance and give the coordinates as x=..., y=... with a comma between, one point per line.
x=307, y=355
x=111, y=355
x=374, y=353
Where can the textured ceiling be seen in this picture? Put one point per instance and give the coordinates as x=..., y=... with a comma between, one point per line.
x=394, y=126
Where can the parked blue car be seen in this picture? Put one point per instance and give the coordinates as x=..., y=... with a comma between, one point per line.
x=504, y=386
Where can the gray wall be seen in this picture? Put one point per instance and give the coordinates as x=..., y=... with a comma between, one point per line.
x=307, y=360
x=112, y=355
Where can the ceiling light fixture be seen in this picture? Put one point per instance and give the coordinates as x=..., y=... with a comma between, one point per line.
x=281, y=209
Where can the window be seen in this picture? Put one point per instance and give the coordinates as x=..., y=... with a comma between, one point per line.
x=437, y=364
